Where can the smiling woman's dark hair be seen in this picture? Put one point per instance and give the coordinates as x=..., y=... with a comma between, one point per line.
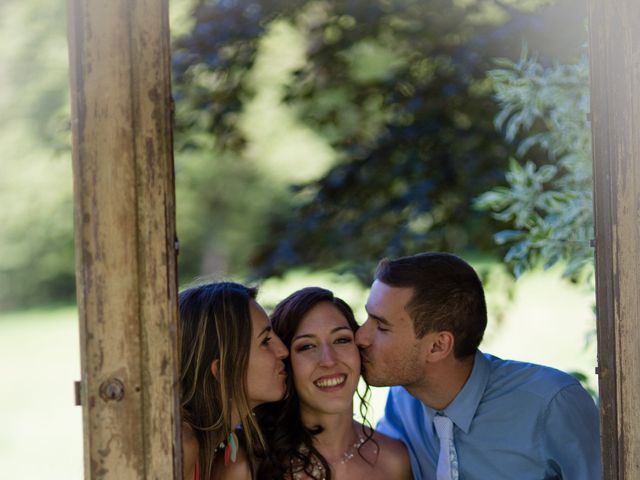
x=290, y=443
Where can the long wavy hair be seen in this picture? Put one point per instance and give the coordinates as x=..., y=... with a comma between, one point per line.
x=291, y=448
x=215, y=325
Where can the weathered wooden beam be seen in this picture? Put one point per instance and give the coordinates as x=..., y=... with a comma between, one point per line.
x=614, y=44
x=125, y=237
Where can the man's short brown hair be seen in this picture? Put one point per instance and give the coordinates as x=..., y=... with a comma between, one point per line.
x=447, y=295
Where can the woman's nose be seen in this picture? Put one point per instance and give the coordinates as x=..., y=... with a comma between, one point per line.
x=327, y=356
x=281, y=349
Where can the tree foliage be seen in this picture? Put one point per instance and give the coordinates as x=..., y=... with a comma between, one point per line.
x=36, y=220
x=397, y=89
x=549, y=203
x=313, y=133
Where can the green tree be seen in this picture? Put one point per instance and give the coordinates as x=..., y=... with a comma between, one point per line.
x=378, y=113
x=36, y=220
x=398, y=93
x=548, y=203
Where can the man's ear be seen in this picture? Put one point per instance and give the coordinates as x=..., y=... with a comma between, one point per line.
x=441, y=346
x=215, y=365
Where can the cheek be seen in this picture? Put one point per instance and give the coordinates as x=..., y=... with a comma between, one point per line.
x=255, y=368
x=255, y=387
x=299, y=370
x=384, y=346
x=353, y=359
x=261, y=368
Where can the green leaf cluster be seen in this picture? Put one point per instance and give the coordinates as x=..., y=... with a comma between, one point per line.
x=548, y=203
x=368, y=126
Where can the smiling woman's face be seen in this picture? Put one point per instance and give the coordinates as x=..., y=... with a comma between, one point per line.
x=325, y=361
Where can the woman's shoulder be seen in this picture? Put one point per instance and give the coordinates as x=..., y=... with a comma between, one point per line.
x=392, y=445
x=238, y=470
x=393, y=457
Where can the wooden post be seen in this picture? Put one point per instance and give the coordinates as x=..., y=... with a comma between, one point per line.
x=614, y=43
x=125, y=237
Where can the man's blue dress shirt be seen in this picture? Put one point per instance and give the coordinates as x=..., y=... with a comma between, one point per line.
x=512, y=421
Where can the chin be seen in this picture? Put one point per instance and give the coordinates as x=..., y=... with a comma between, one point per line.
x=279, y=395
x=334, y=405
x=374, y=381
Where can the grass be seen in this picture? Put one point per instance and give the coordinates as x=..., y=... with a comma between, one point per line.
x=42, y=428
x=546, y=322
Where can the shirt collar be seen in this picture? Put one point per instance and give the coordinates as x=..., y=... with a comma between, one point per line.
x=463, y=407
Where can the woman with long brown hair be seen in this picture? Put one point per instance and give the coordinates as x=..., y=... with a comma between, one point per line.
x=312, y=433
x=231, y=362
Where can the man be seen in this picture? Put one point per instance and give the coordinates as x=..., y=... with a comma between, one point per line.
x=464, y=414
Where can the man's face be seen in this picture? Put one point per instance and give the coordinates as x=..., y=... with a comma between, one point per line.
x=391, y=353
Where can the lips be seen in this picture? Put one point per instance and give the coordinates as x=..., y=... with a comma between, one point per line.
x=330, y=381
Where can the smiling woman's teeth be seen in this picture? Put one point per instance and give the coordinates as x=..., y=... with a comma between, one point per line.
x=330, y=382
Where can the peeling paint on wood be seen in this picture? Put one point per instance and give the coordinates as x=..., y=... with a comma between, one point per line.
x=125, y=234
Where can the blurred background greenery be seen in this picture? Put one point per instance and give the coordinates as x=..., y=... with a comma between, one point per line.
x=313, y=138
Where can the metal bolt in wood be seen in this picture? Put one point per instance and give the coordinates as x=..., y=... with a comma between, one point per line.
x=112, y=389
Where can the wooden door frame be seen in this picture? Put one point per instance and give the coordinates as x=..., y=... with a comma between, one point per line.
x=125, y=237
x=614, y=46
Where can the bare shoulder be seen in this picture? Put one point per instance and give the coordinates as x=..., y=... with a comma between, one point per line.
x=190, y=451
x=393, y=457
x=238, y=470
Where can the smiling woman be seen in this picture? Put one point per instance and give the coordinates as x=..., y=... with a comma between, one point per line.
x=311, y=433
x=325, y=363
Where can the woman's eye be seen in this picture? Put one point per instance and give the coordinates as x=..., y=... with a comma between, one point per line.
x=344, y=340
x=266, y=341
x=304, y=347
x=382, y=329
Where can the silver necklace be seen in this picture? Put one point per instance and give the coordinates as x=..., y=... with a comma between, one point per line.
x=351, y=451
x=317, y=470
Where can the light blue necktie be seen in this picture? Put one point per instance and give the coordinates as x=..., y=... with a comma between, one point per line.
x=448, y=459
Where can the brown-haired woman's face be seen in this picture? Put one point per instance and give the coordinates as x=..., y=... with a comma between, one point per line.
x=266, y=374
x=325, y=360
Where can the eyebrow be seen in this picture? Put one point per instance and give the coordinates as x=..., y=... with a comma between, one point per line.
x=378, y=318
x=310, y=335
x=266, y=329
